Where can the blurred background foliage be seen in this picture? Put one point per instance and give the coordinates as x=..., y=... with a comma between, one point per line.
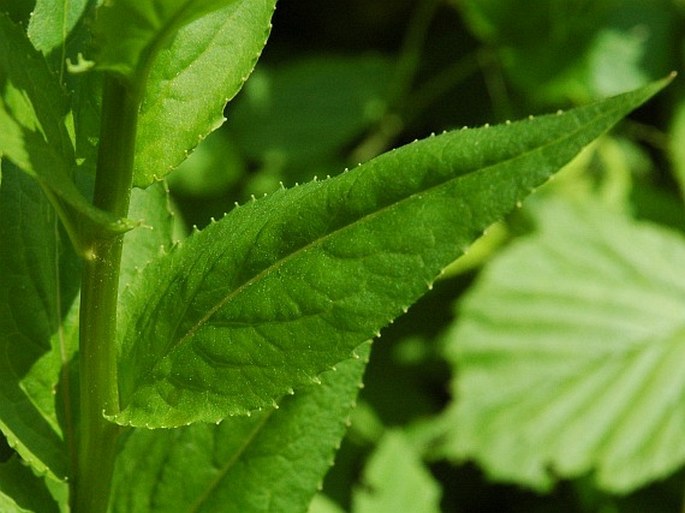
x=340, y=82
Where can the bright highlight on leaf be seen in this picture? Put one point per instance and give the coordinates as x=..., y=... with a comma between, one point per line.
x=573, y=363
x=283, y=288
x=180, y=102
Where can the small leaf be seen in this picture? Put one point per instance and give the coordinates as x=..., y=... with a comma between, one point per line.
x=272, y=461
x=32, y=308
x=677, y=145
x=150, y=208
x=21, y=491
x=569, y=352
x=180, y=102
x=283, y=288
x=395, y=480
x=52, y=21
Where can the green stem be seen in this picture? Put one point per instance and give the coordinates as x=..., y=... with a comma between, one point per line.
x=99, y=292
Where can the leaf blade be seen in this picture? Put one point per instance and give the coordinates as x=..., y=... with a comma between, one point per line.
x=273, y=461
x=33, y=134
x=283, y=288
x=590, y=389
x=179, y=101
x=32, y=306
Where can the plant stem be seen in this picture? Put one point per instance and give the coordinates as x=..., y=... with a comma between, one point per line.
x=99, y=292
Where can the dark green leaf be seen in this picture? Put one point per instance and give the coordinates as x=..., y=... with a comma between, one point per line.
x=32, y=130
x=21, y=491
x=282, y=288
x=282, y=112
x=272, y=461
x=35, y=337
x=555, y=50
x=568, y=354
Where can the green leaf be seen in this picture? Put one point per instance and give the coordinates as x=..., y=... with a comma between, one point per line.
x=32, y=131
x=395, y=479
x=322, y=504
x=677, y=145
x=180, y=102
x=282, y=288
x=555, y=50
x=130, y=33
x=35, y=336
x=272, y=461
x=150, y=208
x=569, y=352
x=21, y=491
x=52, y=21
x=282, y=112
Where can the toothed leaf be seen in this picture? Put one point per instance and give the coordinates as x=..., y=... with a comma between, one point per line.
x=271, y=461
x=568, y=354
x=21, y=491
x=283, y=288
x=180, y=101
x=52, y=21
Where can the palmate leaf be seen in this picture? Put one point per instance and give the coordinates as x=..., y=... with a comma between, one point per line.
x=283, y=288
x=180, y=101
x=270, y=462
x=569, y=354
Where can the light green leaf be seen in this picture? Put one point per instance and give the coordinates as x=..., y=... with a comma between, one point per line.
x=35, y=334
x=32, y=131
x=395, y=479
x=568, y=354
x=281, y=289
x=272, y=461
x=21, y=491
x=52, y=21
x=677, y=145
x=322, y=504
x=150, y=208
x=130, y=32
x=180, y=102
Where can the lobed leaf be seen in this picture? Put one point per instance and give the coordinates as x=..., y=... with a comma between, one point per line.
x=395, y=479
x=180, y=102
x=283, y=288
x=33, y=339
x=272, y=461
x=569, y=351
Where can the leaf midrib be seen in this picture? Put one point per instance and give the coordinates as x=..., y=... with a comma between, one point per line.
x=281, y=262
